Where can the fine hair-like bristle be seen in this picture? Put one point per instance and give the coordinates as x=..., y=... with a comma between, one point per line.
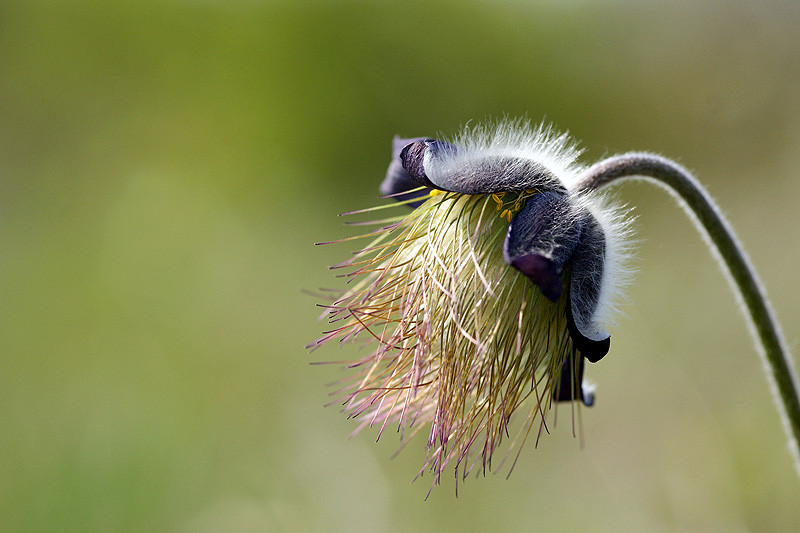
x=518, y=139
x=618, y=271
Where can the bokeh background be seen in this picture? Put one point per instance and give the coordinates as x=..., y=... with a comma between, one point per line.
x=165, y=168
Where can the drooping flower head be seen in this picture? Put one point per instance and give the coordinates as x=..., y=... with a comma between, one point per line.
x=484, y=299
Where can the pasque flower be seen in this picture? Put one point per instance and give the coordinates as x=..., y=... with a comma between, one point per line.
x=488, y=296
x=484, y=299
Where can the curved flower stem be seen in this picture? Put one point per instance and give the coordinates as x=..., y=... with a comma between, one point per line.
x=764, y=327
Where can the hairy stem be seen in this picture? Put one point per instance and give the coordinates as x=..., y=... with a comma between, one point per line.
x=770, y=344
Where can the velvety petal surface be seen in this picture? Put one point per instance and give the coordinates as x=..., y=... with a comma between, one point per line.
x=585, y=285
x=397, y=180
x=541, y=239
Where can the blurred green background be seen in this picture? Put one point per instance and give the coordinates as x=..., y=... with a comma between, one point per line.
x=165, y=168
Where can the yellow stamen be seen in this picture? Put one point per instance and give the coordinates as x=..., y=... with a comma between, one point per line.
x=497, y=199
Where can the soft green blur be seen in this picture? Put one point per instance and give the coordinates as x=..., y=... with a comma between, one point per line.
x=165, y=168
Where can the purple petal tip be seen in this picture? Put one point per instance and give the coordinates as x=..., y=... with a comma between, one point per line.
x=542, y=271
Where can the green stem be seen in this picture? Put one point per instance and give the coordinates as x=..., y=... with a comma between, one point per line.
x=764, y=327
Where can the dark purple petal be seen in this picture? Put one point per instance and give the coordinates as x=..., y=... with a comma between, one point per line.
x=586, y=277
x=570, y=384
x=491, y=174
x=541, y=239
x=412, y=156
x=398, y=144
x=397, y=180
x=431, y=163
x=542, y=271
x=591, y=350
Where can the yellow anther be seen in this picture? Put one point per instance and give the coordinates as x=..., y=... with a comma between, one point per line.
x=434, y=192
x=497, y=199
